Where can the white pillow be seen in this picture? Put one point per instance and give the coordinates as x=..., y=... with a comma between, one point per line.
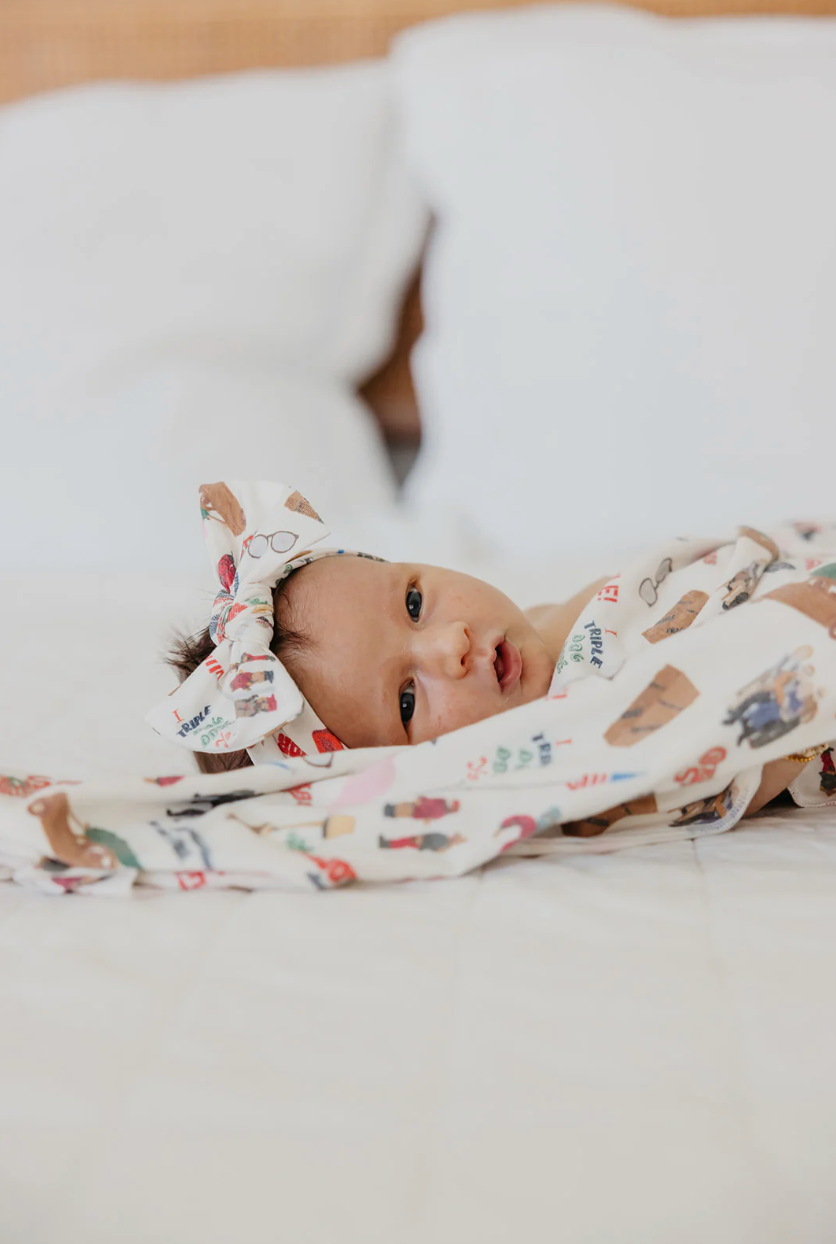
x=194, y=278
x=630, y=297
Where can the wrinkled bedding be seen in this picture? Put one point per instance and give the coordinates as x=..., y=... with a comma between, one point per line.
x=692, y=668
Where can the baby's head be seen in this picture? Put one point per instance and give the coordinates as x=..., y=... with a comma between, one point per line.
x=392, y=653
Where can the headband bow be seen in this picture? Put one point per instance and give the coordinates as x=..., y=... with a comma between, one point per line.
x=256, y=533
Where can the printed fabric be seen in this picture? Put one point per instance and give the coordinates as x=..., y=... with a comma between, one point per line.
x=690, y=670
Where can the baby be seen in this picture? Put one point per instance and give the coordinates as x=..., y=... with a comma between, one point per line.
x=422, y=649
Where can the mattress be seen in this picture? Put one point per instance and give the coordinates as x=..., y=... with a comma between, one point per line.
x=629, y=1047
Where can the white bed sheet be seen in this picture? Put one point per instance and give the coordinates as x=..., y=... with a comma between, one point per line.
x=633, y=1047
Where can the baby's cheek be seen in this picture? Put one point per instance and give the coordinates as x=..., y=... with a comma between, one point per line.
x=453, y=711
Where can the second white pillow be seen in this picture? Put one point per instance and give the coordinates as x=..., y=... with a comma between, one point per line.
x=631, y=295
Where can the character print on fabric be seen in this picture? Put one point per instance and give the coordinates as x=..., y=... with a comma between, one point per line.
x=255, y=704
x=649, y=588
x=504, y=758
x=216, y=732
x=761, y=538
x=664, y=698
x=430, y=841
x=326, y=741
x=338, y=824
x=265, y=828
x=226, y=572
x=827, y=773
x=807, y=530
x=68, y=837
x=194, y=723
x=287, y=747
x=609, y=592
x=66, y=879
x=277, y=541
x=199, y=805
x=249, y=678
x=224, y=610
x=323, y=761
x=190, y=880
x=572, y=651
x=189, y=846
x=815, y=597
x=477, y=769
x=591, y=636
x=334, y=826
x=773, y=704
x=294, y=843
x=741, y=585
x=544, y=748
x=217, y=501
x=262, y=610
x=423, y=808
x=594, y=825
x=119, y=847
x=298, y=503
x=19, y=787
x=596, y=645
x=546, y=825
x=707, y=811
x=302, y=793
x=332, y=873
x=703, y=770
x=677, y=619
x=596, y=779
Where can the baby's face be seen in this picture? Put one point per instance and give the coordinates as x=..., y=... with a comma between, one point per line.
x=403, y=653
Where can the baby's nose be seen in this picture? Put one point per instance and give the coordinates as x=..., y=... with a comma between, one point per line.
x=447, y=649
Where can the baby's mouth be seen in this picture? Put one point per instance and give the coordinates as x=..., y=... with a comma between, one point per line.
x=507, y=665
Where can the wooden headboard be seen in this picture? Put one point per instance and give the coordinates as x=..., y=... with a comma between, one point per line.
x=46, y=44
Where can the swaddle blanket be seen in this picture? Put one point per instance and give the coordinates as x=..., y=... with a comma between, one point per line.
x=689, y=671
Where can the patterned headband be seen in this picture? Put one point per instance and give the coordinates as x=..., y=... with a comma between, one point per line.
x=242, y=696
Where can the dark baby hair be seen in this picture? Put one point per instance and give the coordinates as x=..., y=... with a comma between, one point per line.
x=189, y=651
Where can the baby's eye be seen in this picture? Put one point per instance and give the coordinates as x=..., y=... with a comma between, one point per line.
x=407, y=704
x=414, y=601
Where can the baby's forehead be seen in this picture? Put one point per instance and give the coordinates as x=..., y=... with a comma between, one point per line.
x=338, y=583
x=343, y=568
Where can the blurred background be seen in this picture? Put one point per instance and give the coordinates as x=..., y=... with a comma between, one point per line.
x=609, y=232
x=518, y=289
